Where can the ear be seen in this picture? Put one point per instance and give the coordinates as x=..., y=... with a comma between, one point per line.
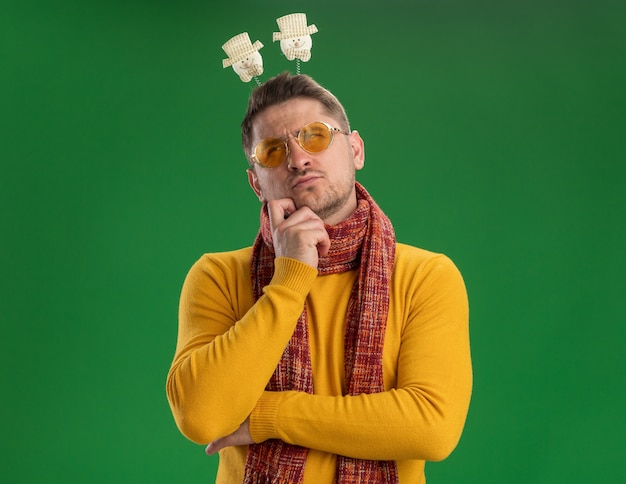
x=358, y=149
x=253, y=180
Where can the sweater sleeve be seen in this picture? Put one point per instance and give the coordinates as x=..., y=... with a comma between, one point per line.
x=422, y=415
x=223, y=361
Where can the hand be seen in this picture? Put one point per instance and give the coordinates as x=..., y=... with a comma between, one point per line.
x=297, y=233
x=241, y=436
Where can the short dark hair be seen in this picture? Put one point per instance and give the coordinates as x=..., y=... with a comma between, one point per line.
x=285, y=87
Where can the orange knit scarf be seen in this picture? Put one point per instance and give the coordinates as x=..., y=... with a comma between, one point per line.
x=365, y=240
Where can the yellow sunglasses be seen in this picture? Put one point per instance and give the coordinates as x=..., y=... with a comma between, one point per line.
x=312, y=138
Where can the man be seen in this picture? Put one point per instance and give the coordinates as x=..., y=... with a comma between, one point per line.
x=326, y=352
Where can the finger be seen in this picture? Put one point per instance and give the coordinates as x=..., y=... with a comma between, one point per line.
x=217, y=445
x=323, y=245
x=308, y=219
x=302, y=227
x=212, y=448
x=279, y=210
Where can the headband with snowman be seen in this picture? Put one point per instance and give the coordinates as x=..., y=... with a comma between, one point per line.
x=295, y=43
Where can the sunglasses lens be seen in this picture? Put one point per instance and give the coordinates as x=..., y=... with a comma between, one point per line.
x=271, y=152
x=315, y=137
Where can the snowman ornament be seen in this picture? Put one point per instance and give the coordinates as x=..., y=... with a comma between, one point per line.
x=244, y=57
x=295, y=36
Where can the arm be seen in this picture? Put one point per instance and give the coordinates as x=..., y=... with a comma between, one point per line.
x=222, y=364
x=423, y=416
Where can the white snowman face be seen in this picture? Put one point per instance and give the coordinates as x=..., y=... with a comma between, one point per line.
x=245, y=64
x=302, y=42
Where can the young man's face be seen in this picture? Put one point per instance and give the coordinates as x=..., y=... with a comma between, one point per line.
x=322, y=181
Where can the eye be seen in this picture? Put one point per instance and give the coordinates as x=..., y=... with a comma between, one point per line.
x=315, y=131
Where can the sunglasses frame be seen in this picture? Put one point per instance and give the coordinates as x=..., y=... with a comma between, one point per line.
x=296, y=135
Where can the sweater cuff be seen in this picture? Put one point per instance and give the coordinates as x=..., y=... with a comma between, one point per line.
x=293, y=274
x=263, y=418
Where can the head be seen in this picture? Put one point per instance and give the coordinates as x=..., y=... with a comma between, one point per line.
x=323, y=181
x=286, y=87
x=302, y=42
x=243, y=65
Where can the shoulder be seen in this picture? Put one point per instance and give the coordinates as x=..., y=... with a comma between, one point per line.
x=419, y=264
x=229, y=258
x=415, y=256
x=222, y=265
x=428, y=284
x=217, y=284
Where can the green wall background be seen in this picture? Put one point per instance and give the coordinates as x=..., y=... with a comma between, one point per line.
x=494, y=133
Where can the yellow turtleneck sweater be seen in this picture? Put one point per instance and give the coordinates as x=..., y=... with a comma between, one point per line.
x=228, y=347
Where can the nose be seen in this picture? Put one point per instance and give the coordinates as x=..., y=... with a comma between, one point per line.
x=297, y=159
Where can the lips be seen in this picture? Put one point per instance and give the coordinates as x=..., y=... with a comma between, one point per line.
x=304, y=181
